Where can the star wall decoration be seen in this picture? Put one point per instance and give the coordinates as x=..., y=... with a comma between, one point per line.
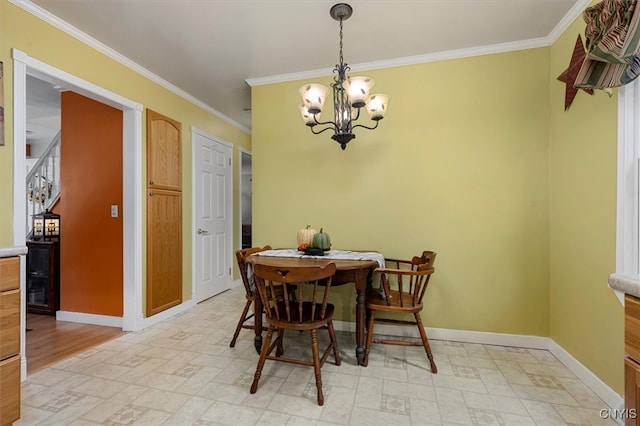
x=569, y=75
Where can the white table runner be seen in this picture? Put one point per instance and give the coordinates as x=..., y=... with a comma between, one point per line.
x=330, y=254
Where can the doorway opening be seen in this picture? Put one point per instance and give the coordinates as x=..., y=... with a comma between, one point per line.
x=24, y=66
x=246, y=181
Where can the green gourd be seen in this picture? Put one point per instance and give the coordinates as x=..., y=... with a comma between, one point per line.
x=321, y=240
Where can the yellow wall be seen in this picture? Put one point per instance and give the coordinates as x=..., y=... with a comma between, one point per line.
x=21, y=30
x=459, y=166
x=477, y=160
x=586, y=317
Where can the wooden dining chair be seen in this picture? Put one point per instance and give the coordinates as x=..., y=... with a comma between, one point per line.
x=241, y=256
x=310, y=311
x=402, y=287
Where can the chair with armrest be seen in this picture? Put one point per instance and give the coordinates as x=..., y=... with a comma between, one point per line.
x=241, y=256
x=309, y=311
x=402, y=287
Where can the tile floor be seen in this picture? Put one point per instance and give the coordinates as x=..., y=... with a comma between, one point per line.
x=182, y=372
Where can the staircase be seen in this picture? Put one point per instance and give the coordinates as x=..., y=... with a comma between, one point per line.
x=43, y=182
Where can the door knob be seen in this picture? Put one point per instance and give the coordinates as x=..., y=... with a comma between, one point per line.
x=202, y=231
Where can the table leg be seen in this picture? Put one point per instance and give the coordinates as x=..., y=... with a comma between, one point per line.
x=257, y=321
x=362, y=280
x=360, y=319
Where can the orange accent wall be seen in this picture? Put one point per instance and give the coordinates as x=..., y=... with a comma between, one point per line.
x=91, y=177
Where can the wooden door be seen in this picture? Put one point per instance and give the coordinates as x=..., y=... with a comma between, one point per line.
x=164, y=152
x=164, y=250
x=164, y=213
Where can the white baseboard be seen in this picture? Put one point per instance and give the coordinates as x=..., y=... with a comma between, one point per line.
x=109, y=321
x=23, y=368
x=486, y=338
x=104, y=320
x=597, y=386
x=344, y=326
x=481, y=337
x=600, y=388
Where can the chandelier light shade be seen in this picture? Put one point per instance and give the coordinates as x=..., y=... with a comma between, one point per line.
x=350, y=94
x=377, y=106
x=313, y=97
x=358, y=89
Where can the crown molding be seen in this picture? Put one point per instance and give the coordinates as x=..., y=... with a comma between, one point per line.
x=564, y=23
x=58, y=23
x=409, y=60
x=567, y=20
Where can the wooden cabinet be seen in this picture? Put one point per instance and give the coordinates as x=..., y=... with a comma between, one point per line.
x=631, y=388
x=164, y=250
x=9, y=340
x=164, y=213
x=43, y=277
x=164, y=152
x=632, y=359
x=9, y=323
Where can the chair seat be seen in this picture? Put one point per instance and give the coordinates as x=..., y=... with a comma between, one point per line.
x=307, y=322
x=378, y=302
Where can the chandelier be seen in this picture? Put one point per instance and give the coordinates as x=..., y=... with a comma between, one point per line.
x=350, y=94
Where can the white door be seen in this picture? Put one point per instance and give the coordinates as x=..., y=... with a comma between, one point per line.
x=212, y=206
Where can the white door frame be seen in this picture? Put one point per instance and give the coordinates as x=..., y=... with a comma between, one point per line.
x=24, y=65
x=194, y=257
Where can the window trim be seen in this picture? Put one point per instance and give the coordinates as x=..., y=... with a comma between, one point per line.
x=628, y=184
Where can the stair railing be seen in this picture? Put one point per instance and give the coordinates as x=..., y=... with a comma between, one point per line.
x=43, y=181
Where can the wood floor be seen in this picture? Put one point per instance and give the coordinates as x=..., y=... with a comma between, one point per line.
x=49, y=341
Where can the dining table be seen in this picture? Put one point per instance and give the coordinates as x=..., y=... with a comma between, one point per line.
x=354, y=269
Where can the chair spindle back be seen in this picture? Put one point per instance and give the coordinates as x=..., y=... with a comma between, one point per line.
x=273, y=286
x=241, y=257
x=417, y=272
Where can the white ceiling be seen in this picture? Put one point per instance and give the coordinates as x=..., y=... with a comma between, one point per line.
x=43, y=114
x=210, y=48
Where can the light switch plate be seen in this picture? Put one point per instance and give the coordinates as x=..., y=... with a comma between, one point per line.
x=114, y=210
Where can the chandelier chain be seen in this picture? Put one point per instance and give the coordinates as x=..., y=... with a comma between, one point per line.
x=341, y=60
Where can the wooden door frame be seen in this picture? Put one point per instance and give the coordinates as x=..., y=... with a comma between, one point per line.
x=24, y=65
x=197, y=131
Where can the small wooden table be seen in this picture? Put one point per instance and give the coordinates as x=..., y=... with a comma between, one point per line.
x=358, y=272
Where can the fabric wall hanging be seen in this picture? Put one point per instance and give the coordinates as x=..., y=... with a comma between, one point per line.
x=613, y=45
